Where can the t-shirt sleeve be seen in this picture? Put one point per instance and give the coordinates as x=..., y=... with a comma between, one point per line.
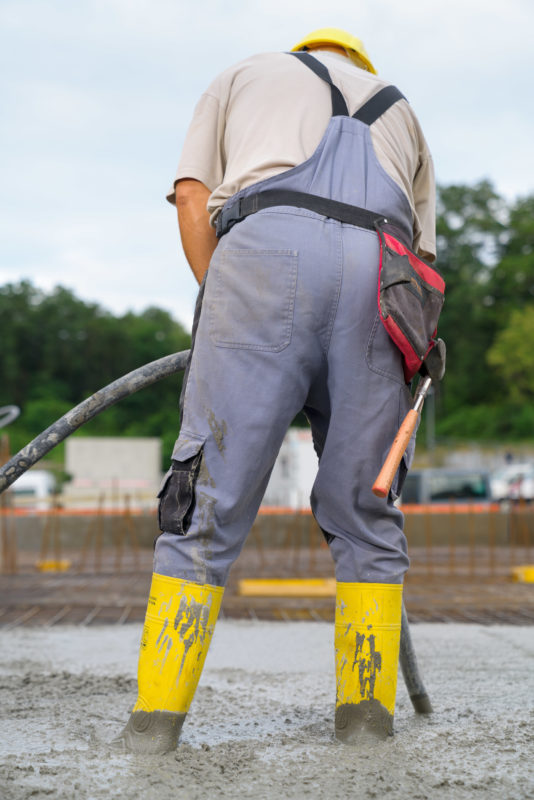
x=202, y=156
x=424, y=194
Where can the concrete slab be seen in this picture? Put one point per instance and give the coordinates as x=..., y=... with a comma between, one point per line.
x=261, y=725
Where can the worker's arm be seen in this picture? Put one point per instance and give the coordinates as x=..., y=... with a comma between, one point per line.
x=198, y=236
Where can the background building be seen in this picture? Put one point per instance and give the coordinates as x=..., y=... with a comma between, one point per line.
x=109, y=468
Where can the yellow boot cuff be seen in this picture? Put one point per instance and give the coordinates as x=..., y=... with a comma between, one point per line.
x=179, y=624
x=367, y=638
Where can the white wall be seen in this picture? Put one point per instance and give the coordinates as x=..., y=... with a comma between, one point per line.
x=294, y=471
x=115, y=465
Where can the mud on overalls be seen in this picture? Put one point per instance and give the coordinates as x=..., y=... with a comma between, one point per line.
x=287, y=320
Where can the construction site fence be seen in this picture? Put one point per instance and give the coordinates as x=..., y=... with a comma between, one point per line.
x=450, y=539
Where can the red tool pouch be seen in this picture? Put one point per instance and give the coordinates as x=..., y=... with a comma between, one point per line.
x=410, y=298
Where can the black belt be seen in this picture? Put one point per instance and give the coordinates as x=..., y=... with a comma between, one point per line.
x=343, y=212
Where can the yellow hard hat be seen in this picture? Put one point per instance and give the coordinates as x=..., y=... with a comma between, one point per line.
x=354, y=46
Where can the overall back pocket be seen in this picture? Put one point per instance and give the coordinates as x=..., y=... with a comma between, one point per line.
x=253, y=302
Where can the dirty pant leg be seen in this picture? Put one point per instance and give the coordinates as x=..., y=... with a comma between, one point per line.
x=368, y=399
x=246, y=383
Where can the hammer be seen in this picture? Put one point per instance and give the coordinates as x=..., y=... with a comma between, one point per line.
x=432, y=369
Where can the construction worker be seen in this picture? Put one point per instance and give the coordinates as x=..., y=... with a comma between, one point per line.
x=288, y=159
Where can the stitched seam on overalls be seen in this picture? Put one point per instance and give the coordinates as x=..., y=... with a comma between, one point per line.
x=182, y=403
x=335, y=304
x=318, y=153
x=389, y=375
x=192, y=434
x=392, y=183
x=297, y=212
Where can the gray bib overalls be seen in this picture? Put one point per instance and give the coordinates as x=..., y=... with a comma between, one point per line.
x=287, y=320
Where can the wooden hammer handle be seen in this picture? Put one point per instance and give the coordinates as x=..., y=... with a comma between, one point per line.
x=382, y=485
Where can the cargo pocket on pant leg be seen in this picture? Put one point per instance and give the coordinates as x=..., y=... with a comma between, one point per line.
x=177, y=493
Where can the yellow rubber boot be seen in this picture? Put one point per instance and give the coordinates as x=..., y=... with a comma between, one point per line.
x=179, y=624
x=367, y=638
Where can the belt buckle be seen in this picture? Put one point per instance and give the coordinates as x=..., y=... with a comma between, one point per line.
x=228, y=218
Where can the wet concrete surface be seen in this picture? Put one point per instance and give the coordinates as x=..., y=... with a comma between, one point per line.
x=261, y=725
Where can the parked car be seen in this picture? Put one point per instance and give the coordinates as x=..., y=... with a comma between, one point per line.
x=513, y=482
x=446, y=485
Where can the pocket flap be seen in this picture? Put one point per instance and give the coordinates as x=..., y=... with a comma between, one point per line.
x=164, y=481
x=395, y=269
x=177, y=493
x=187, y=446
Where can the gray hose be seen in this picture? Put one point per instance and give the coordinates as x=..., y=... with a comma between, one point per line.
x=414, y=684
x=118, y=390
x=8, y=414
x=82, y=413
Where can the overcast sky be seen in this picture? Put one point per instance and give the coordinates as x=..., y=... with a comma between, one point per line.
x=96, y=97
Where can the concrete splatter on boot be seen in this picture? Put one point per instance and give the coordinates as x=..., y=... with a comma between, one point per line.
x=179, y=624
x=367, y=637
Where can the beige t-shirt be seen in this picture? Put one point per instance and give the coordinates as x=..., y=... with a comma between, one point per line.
x=268, y=113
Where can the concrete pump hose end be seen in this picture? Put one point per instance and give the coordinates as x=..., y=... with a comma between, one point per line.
x=421, y=703
x=410, y=670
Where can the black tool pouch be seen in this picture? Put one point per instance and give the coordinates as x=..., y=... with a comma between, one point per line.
x=410, y=299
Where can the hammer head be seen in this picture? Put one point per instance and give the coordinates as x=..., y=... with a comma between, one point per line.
x=434, y=363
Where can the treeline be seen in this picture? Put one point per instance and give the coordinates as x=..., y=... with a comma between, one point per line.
x=56, y=349
x=486, y=254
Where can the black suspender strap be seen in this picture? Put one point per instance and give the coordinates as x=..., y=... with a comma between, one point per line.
x=339, y=106
x=370, y=111
x=233, y=212
x=378, y=104
x=343, y=212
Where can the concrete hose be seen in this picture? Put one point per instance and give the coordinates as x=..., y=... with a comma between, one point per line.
x=89, y=408
x=410, y=671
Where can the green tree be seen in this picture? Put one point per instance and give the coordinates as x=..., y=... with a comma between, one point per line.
x=486, y=251
x=512, y=280
x=471, y=225
x=57, y=350
x=512, y=355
